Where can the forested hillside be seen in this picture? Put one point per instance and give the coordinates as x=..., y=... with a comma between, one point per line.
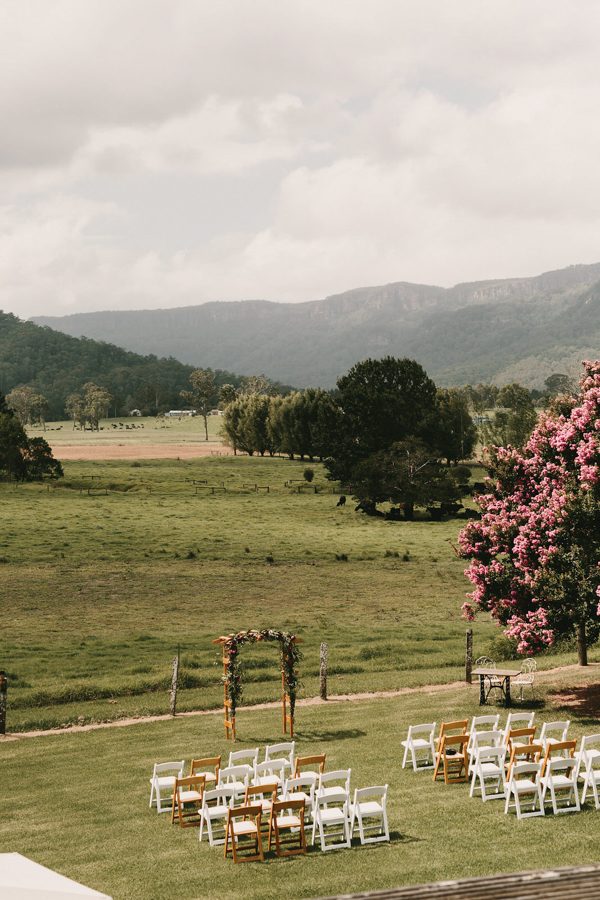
x=56, y=364
x=517, y=329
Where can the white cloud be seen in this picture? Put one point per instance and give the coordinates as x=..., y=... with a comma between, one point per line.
x=420, y=141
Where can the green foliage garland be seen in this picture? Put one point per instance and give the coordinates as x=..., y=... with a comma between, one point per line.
x=290, y=657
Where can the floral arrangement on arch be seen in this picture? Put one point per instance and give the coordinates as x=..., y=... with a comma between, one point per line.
x=535, y=552
x=290, y=656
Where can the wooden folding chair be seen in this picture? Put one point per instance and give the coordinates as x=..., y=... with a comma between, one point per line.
x=287, y=815
x=558, y=748
x=523, y=753
x=448, y=728
x=519, y=737
x=244, y=822
x=303, y=763
x=209, y=767
x=187, y=800
x=452, y=756
x=265, y=794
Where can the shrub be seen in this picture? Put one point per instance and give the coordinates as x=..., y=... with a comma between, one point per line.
x=502, y=648
x=308, y=474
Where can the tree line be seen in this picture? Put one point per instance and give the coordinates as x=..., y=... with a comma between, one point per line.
x=54, y=366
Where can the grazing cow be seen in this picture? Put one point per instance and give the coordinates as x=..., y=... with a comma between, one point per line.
x=341, y=501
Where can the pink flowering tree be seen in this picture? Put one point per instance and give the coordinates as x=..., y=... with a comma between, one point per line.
x=535, y=552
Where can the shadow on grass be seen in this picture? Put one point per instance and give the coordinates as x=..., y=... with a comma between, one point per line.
x=342, y=734
x=583, y=701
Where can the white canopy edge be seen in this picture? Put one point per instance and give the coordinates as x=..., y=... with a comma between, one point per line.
x=23, y=879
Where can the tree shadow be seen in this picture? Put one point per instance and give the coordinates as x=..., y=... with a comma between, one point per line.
x=583, y=700
x=342, y=734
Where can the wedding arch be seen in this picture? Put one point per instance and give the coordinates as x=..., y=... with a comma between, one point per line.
x=232, y=674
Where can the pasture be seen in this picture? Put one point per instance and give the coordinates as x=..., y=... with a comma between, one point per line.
x=112, y=570
x=107, y=573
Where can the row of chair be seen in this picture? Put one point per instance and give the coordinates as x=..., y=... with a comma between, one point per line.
x=335, y=818
x=512, y=764
x=421, y=739
x=213, y=797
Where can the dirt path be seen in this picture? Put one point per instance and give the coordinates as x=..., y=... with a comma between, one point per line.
x=140, y=451
x=308, y=701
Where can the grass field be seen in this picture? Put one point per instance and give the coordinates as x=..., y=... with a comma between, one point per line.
x=109, y=572
x=79, y=803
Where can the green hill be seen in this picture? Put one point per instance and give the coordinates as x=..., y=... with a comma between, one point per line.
x=57, y=364
x=511, y=329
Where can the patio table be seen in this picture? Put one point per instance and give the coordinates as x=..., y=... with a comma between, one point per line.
x=488, y=676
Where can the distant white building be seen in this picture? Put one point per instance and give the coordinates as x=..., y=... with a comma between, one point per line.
x=135, y=412
x=180, y=412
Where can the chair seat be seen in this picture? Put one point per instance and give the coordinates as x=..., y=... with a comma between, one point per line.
x=332, y=816
x=267, y=779
x=524, y=786
x=561, y=781
x=417, y=743
x=329, y=791
x=236, y=785
x=369, y=808
x=244, y=828
x=288, y=822
x=216, y=812
x=190, y=796
x=491, y=769
x=164, y=781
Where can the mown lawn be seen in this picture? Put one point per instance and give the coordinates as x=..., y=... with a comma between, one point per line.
x=78, y=803
x=102, y=588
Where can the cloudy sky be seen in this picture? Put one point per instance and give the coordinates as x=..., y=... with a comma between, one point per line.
x=159, y=153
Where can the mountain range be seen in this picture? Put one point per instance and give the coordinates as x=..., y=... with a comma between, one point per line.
x=514, y=329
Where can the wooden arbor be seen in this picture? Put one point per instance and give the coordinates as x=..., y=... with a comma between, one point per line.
x=232, y=682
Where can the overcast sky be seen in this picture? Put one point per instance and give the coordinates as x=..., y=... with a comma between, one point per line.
x=169, y=152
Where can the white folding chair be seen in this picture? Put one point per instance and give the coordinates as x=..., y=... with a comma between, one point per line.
x=243, y=757
x=162, y=784
x=481, y=724
x=524, y=782
x=420, y=739
x=518, y=720
x=495, y=683
x=332, y=821
x=331, y=783
x=554, y=732
x=589, y=766
x=285, y=751
x=561, y=776
x=482, y=740
x=236, y=776
x=488, y=766
x=369, y=812
x=216, y=804
x=272, y=770
x=526, y=676
x=302, y=788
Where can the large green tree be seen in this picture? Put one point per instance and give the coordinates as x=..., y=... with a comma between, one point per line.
x=453, y=431
x=22, y=458
x=406, y=474
x=381, y=402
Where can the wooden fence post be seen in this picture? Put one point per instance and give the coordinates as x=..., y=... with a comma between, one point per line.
x=174, y=679
x=469, y=657
x=323, y=672
x=3, y=694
